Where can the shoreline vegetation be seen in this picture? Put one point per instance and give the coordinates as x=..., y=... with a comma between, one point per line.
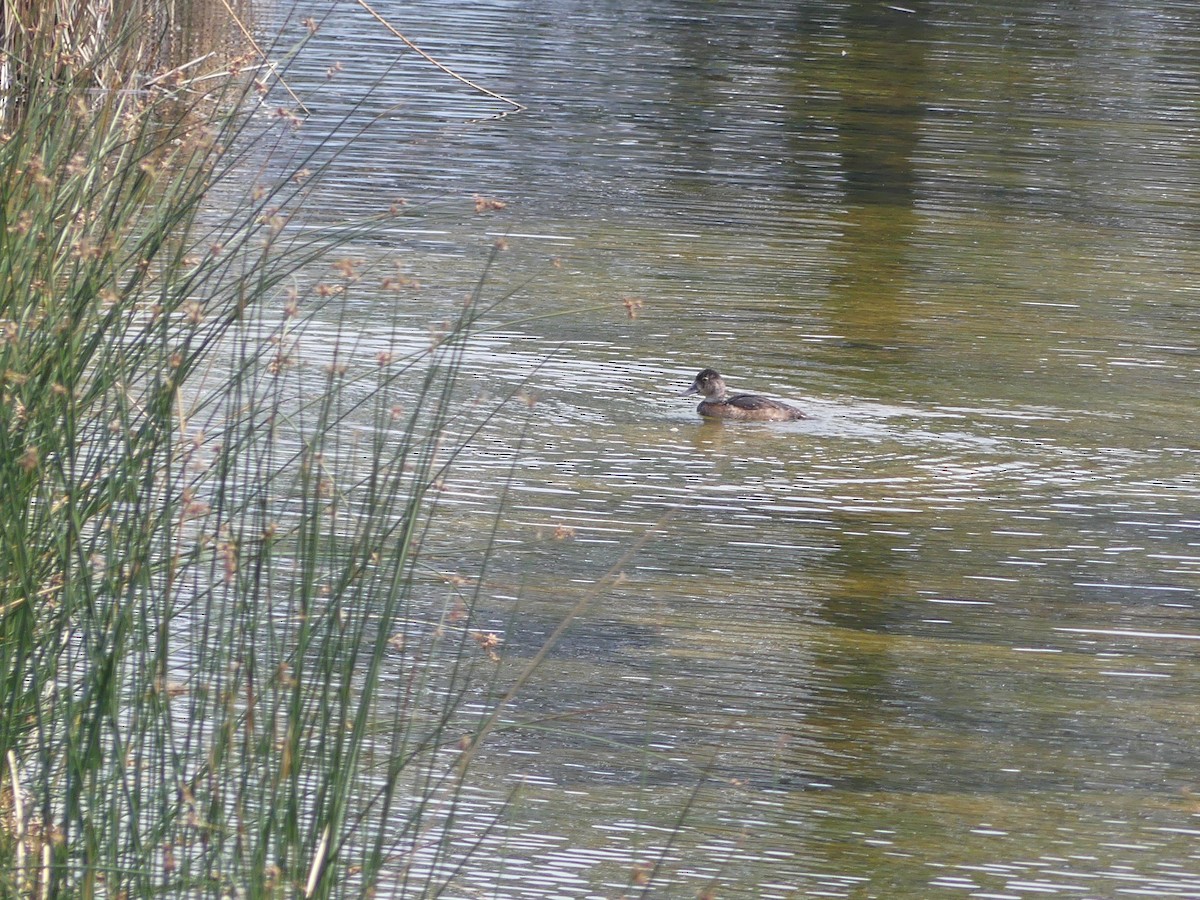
x=205, y=573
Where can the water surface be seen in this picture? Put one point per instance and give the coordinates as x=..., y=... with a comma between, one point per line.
x=939, y=638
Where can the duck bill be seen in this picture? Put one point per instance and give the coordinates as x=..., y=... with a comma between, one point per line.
x=692, y=390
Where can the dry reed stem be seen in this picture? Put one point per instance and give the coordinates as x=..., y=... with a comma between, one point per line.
x=179, y=69
x=257, y=49
x=18, y=818
x=384, y=22
x=314, y=873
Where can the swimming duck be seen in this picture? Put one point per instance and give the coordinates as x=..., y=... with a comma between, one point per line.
x=717, y=404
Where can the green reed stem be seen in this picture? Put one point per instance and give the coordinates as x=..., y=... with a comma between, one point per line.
x=202, y=570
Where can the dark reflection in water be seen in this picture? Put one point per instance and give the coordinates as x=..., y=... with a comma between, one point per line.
x=876, y=117
x=938, y=638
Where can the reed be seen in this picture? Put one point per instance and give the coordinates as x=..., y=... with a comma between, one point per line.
x=205, y=572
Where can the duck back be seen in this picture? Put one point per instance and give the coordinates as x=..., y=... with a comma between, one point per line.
x=749, y=408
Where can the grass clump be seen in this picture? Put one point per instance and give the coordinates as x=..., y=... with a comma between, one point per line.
x=205, y=572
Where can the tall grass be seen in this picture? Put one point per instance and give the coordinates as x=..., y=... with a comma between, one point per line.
x=206, y=573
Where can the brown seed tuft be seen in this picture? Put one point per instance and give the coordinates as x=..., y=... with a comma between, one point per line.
x=488, y=643
x=488, y=204
x=347, y=268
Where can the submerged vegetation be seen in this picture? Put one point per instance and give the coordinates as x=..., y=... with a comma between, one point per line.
x=204, y=573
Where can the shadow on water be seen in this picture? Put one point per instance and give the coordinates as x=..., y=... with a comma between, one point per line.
x=876, y=120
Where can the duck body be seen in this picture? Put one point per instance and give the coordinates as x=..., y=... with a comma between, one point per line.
x=718, y=403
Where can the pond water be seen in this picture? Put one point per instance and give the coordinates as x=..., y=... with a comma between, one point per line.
x=937, y=639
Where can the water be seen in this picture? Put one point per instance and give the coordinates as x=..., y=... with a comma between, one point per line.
x=939, y=639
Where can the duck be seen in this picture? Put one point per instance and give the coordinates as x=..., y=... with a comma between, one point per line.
x=719, y=404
